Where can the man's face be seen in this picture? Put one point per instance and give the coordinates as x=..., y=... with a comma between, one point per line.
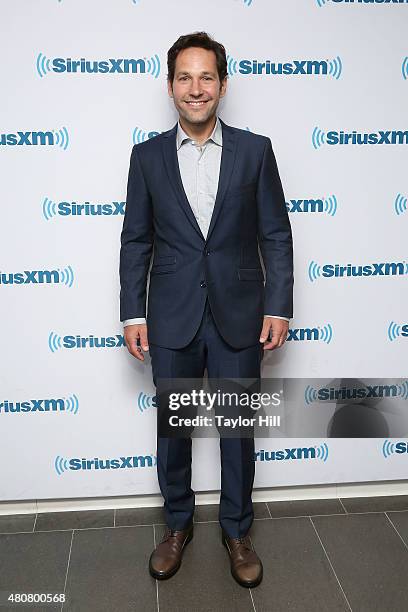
x=196, y=89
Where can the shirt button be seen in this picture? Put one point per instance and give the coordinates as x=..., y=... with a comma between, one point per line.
x=203, y=284
x=207, y=252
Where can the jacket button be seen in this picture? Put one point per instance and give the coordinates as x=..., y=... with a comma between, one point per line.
x=203, y=284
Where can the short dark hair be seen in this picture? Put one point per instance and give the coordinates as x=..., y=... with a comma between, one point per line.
x=197, y=39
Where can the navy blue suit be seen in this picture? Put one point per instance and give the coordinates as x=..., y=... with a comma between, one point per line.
x=249, y=207
x=207, y=296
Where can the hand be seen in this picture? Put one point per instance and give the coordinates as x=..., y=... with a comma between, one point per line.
x=279, y=332
x=132, y=334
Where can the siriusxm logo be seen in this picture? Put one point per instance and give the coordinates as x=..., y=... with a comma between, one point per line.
x=302, y=334
x=312, y=452
x=60, y=404
x=391, y=448
x=395, y=330
x=331, y=68
x=72, y=209
x=326, y=205
x=389, y=268
x=56, y=342
x=323, y=2
x=140, y=135
x=331, y=394
x=61, y=65
x=146, y=401
x=390, y=137
x=39, y=277
x=53, y=138
x=61, y=464
x=400, y=204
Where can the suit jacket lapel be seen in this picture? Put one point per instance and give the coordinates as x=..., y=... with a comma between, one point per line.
x=229, y=147
x=173, y=170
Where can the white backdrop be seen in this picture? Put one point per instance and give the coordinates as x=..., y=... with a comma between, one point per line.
x=65, y=400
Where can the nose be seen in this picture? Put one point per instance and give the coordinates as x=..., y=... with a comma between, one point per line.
x=196, y=89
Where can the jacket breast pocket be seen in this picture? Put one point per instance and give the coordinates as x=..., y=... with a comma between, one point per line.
x=163, y=264
x=250, y=274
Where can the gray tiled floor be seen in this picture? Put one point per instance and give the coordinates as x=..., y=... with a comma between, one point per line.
x=318, y=555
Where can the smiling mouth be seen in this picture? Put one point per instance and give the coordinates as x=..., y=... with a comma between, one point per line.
x=196, y=104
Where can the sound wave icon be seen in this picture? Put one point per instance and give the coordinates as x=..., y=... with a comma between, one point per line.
x=405, y=68
x=49, y=209
x=153, y=66
x=403, y=390
x=72, y=404
x=322, y=452
x=67, y=276
x=326, y=333
x=61, y=138
x=54, y=342
x=318, y=138
x=321, y=3
x=139, y=136
x=314, y=271
x=43, y=65
x=145, y=401
x=400, y=204
x=335, y=68
x=388, y=448
x=394, y=331
x=232, y=65
x=310, y=395
x=330, y=205
x=61, y=465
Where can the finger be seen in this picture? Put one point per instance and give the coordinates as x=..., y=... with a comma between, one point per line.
x=282, y=339
x=136, y=351
x=143, y=339
x=265, y=331
x=134, y=348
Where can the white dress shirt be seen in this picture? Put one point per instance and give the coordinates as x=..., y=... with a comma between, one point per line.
x=199, y=169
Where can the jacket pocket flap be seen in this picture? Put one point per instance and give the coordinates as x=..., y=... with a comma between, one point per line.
x=250, y=274
x=164, y=260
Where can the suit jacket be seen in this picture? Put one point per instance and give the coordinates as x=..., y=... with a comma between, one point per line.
x=249, y=209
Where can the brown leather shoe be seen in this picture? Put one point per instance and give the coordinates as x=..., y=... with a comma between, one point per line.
x=165, y=560
x=246, y=566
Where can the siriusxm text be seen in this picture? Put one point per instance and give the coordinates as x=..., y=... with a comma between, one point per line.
x=369, y=391
x=286, y=454
x=138, y=461
x=66, y=209
x=111, y=65
x=33, y=405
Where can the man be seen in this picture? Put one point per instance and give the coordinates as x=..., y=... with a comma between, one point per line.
x=203, y=194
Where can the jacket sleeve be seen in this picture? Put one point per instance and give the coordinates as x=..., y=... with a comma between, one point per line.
x=274, y=237
x=136, y=243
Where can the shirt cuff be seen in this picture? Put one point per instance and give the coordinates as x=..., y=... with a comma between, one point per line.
x=137, y=321
x=277, y=317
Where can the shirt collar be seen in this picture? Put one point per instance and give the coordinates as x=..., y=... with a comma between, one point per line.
x=216, y=135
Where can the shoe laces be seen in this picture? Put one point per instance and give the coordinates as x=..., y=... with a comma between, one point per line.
x=244, y=541
x=168, y=534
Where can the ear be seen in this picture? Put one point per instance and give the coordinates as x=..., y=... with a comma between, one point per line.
x=170, y=88
x=223, y=87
